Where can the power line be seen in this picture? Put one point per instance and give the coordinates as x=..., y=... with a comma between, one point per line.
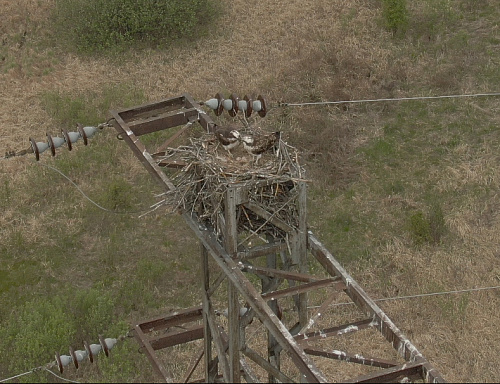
x=88, y=198
x=388, y=99
x=21, y=374
x=420, y=295
x=60, y=377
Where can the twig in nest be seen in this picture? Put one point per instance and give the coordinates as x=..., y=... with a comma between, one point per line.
x=269, y=218
x=246, y=214
x=252, y=233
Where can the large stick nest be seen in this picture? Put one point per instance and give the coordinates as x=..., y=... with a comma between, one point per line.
x=205, y=170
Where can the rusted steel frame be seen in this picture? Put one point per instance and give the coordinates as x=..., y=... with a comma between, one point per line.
x=213, y=333
x=231, y=199
x=171, y=139
x=203, y=119
x=299, y=247
x=150, y=353
x=163, y=121
x=259, y=360
x=220, y=344
x=184, y=101
x=429, y=372
x=140, y=152
x=193, y=366
x=270, y=284
x=277, y=222
x=388, y=329
x=322, y=309
x=358, y=359
x=234, y=330
x=210, y=366
x=176, y=318
x=390, y=374
x=261, y=250
x=216, y=284
x=246, y=370
x=335, y=331
x=248, y=373
x=175, y=338
x=148, y=109
x=254, y=299
x=306, y=287
x=270, y=272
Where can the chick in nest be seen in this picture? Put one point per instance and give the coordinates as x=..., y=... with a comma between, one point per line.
x=257, y=144
x=229, y=137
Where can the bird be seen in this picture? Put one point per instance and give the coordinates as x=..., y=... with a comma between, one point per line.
x=256, y=145
x=229, y=137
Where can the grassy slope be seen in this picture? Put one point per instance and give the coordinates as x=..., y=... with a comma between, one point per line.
x=380, y=166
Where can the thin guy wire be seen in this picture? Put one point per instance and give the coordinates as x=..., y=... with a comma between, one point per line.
x=88, y=198
x=21, y=374
x=60, y=377
x=420, y=295
x=389, y=99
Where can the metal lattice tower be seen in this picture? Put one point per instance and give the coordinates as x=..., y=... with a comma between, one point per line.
x=257, y=282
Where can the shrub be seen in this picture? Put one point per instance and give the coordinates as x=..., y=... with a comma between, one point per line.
x=428, y=228
x=420, y=228
x=395, y=13
x=98, y=25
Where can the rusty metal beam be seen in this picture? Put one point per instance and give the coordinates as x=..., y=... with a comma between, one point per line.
x=150, y=354
x=163, y=121
x=261, y=250
x=391, y=374
x=259, y=360
x=140, y=152
x=203, y=119
x=334, y=331
x=306, y=287
x=358, y=359
x=231, y=245
x=193, y=366
x=177, y=318
x=175, y=338
x=270, y=272
x=252, y=297
x=220, y=344
x=148, y=109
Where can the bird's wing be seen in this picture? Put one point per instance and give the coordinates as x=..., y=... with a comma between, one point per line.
x=225, y=136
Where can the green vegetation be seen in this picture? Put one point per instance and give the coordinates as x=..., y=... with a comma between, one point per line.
x=396, y=16
x=109, y=25
x=89, y=108
x=402, y=193
x=69, y=280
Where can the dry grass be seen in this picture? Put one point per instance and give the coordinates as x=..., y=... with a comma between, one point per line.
x=311, y=50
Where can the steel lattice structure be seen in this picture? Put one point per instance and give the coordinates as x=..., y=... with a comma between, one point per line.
x=257, y=282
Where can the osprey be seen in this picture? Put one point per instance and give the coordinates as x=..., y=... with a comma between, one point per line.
x=229, y=137
x=256, y=145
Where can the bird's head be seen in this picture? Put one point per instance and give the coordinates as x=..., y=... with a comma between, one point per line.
x=236, y=134
x=249, y=140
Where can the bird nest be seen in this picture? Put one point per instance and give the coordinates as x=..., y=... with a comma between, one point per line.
x=203, y=171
